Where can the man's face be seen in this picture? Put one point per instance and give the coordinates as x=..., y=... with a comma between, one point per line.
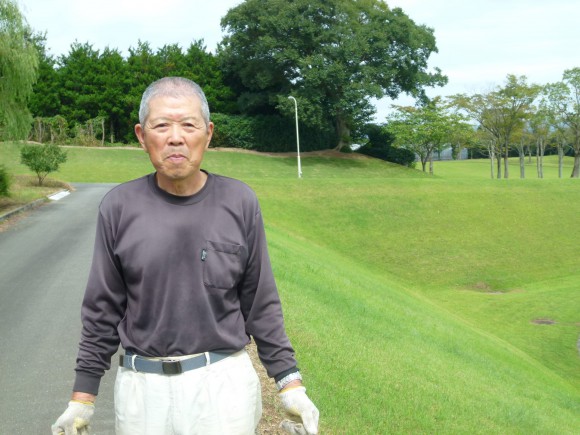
x=175, y=136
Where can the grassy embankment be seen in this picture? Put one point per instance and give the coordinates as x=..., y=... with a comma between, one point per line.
x=416, y=304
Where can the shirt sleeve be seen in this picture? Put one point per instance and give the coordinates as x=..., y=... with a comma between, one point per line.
x=102, y=309
x=261, y=305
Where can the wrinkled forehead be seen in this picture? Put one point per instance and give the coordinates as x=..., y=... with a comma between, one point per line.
x=175, y=107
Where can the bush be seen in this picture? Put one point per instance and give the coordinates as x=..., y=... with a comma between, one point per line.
x=42, y=159
x=268, y=133
x=4, y=181
x=379, y=145
x=400, y=156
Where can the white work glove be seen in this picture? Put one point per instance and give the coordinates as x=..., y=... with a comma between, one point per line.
x=296, y=403
x=75, y=420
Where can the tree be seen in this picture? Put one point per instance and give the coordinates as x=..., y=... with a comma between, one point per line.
x=45, y=99
x=78, y=73
x=332, y=56
x=425, y=129
x=500, y=112
x=539, y=126
x=18, y=69
x=564, y=100
x=42, y=159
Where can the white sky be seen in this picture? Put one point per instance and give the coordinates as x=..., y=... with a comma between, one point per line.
x=479, y=41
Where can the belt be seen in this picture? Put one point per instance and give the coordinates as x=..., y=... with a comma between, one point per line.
x=169, y=366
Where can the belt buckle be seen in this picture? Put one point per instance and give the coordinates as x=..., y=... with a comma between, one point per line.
x=171, y=367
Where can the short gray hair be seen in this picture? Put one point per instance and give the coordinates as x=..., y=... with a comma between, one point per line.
x=172, y=87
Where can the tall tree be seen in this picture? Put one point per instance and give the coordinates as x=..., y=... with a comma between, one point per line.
x=113, y=84
x=78, y=74
x=18, y=70
x=539, y=127
x=564, y=99
x=500, y=112
x=203, y=68
x=45, y=99
x=426, y=129
x=333, y=56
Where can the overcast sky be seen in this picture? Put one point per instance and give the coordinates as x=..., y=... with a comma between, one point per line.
x=479, y=41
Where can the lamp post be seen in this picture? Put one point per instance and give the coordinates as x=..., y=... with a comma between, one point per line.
x=297, y=136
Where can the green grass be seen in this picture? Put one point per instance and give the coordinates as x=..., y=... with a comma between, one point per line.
x=411, y=299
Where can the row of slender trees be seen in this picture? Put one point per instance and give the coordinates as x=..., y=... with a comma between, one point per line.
x=516, y=118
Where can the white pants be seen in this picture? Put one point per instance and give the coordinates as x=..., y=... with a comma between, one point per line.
x=223, y=398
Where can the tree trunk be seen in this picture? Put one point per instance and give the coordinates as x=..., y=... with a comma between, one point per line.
x=424, y=163
x=491, y=156
x=431, y=163
x=498, y=162
x=112, y=132
x=506, y=171
x=576, y=169
x=522, y=164
x=103, y=133
x=343, y=133
x=541, y=150
x=560, y=160
x=529, y=148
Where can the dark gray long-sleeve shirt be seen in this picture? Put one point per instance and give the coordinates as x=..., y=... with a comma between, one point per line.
x=176, y=275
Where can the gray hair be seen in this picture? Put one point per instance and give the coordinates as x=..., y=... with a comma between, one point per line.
x=173, y=87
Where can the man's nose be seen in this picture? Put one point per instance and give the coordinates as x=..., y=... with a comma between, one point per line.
x=175, y=134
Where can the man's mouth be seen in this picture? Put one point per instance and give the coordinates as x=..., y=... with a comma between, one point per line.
x=175, y=158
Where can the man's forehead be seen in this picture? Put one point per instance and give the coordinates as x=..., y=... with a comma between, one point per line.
x=170, y=106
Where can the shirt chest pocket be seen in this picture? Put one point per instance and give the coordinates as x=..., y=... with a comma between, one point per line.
x=222, y=264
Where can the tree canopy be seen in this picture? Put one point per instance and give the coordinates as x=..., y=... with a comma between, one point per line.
x=426, y=129
x=331, y=56
x=88, y=84
x=18, y=66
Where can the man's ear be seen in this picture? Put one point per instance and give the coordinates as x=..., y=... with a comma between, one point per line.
x=140, y=133
x=209, y=134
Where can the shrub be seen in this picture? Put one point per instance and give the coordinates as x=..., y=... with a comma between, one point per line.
x=379, y=145
x=42, y=159
x=4, y=181
x=268, y=133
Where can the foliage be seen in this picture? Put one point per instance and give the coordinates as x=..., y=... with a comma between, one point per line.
x=18, y=68
x=379, y=145
x=563, y=101
x=332, y=56
x=500, y=113
x=400, y=156
x=271, y=133
x=42, y=159
x=53, y=129
x=44, y=102
x=425, y=129
x=4, y=181
x=88, y=84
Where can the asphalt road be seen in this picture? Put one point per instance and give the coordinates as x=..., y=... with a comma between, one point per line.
x=44, y=262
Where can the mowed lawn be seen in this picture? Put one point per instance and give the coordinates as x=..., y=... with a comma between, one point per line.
x=416, y=304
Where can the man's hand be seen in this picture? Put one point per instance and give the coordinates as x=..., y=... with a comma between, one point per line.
x=75, y=420
x=296, y=402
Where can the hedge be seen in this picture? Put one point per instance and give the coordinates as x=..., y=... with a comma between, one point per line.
x=268, y=133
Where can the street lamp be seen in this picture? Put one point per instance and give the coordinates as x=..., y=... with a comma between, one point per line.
x=297, y=137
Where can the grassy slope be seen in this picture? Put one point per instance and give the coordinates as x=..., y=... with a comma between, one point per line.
x=410, y=299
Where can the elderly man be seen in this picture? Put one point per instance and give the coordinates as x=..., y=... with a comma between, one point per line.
x=181, y=278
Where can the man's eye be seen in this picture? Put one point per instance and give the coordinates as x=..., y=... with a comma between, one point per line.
x=160, y=126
